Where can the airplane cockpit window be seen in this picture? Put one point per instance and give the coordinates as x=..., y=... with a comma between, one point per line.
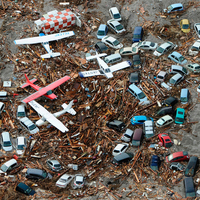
x=107, y=70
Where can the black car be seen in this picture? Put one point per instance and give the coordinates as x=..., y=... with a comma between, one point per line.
x=192, y=166
x=122, y=158
x=37, y=174
x=25, y=189
x=137, y=61
x=189, y=187
x=171, y=101
x=116, y=125
x=134, y=78
x=176, y=166
x=100, y=47
x=165, y=111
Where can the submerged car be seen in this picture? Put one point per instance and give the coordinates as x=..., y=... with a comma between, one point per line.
x=180, y=113
x=116, y=125
x=164, y=48
x=115, y=26
x=178, y=156
x=122, y=158
x=166, y=111
x=37, y=174
x=192, y=166
x=185, y=25
x=100, y=47
x=137, y=64
x=164, y=121
x=177, y=57
x=165, y=139
x=194, y=49
x=112, y=42
x=25, y=189
x=177, y=166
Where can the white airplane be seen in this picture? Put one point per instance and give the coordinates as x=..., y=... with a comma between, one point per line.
x=45, y=39
x=104, y=68
x=48, y=117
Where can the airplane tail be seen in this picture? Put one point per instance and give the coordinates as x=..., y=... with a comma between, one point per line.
x=48, y=55
x=28, y=82
x=68, y=108
x=96, y=56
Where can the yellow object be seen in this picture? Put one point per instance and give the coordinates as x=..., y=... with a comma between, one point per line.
x=185, y=25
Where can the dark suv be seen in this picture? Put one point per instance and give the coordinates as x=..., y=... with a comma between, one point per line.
x=116, y=125
x=122, y=158
x=37, y=174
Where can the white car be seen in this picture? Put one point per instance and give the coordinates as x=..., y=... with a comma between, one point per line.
x=161, y=76
x=164, y=121
x=112, y=42
x=114, y=13
x=78, y=181
x=194, y=49
x=145, y=45
x=126, y=51
x=21, y=145
x=120, y=148
x=115, y=26
x=163, y=48
x=64, y=180
x=29, y=125
x=197, y=29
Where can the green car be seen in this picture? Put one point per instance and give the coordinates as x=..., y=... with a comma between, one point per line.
x=180, y=113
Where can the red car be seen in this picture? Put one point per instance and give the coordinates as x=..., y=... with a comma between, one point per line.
x=165, y=139
x=178, y=156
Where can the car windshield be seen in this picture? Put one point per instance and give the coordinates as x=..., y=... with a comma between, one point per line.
x=116, y=16
x=170, y=157
x=194, y=48
x=4, y=168
x=116, y=42
x=136, y=36
x=179, y=119
x=184, y=70
x=168, y=144
x=134, y=49
x=169, y=8
x=119, y=27
x=185, y=26
x=172, y=81
x=44, y=174
x=20, y=147
x=141, y=95
x=21, y=114
x=181, y=58
x=184, y=99
x=160, y=49
x=161, y=77
x=7, y=144
x=57, y=165
x=101, y=33
x=121, y=50
x=137, y=62
x=28, y=190
x=32, y=127
x=137, y=143
x=152, y=44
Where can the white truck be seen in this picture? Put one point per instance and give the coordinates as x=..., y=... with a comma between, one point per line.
x=55, y=20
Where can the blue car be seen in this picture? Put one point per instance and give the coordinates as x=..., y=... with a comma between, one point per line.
x=180, y=113
x=155, y=162
x=174, y=7
x=102, y=31
x=140, y=119
x=137, y=34
x=177, y=57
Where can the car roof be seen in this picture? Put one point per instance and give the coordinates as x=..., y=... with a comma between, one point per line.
x=177, y=67
x=148, y=122
x=166, y=117
x=165, y=45
x=176, y=76
x=114, y=10
x=10, y=162
x=123, y=156
x=175, y=53
x=34, y=171
x=112, y=39
x=141, y=117
x=119, y=146
x=137, y=134
x=162, y=73
x=129, y=132
x=20, y=140
x=185, y=21
x=177, y=5
x=114, y=22
x=179, y=153
x=26, y=121
x=136, y=57
x=21, y=108
x=79, y=177
x=136, y=89
x=54, y=161
x=128, y=48
x=102, y=27
x=116, y=122
x=137, y=30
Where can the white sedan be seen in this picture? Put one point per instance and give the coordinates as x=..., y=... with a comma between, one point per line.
x=64, y=180
x=163, y=48
x=115, y=26
x=112, y=42
x=120, y=148
x=114, y=13
x=197, y=29
x=126, y=51
x=164, y=121
x=194, y=49
x=145, y=45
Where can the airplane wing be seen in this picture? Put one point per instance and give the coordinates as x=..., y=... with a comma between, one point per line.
x=91, y=73
x=120, y=65
x=46, y=38
x=48, y=116
x=44, y=90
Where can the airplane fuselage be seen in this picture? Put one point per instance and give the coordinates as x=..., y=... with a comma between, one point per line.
x=105, y=68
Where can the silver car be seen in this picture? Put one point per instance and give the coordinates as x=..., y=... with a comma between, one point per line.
x=78, y=181
x=112, y=42
x=29, y=125
x=115, y=26
x=163, y=48
x=54, y=165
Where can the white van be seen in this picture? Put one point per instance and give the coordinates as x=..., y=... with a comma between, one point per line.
x=6, y=142
x=21, y=145
x=21, y=111
x=9, y=165
x=113, y=58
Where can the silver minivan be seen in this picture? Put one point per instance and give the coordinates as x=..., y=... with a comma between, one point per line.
x=21, y=111
x=6, y=142
x=184, y=98
x=113, y=58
